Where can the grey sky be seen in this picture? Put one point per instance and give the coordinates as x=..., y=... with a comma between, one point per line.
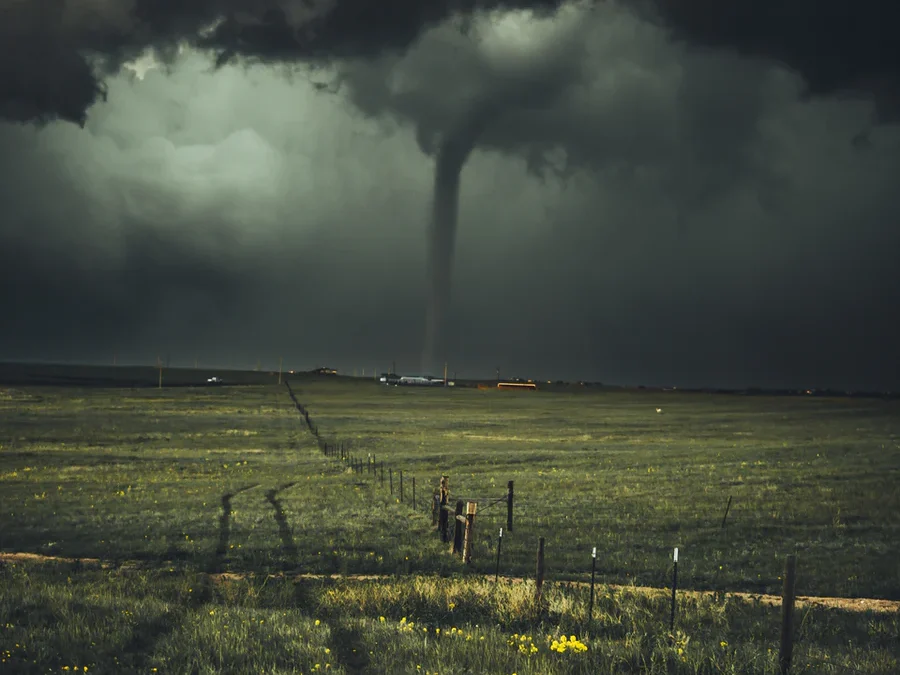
x=669, y=215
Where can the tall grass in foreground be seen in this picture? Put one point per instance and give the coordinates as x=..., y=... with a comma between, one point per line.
x=55, y=618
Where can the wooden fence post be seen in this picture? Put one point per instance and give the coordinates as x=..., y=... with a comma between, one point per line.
x=458, y=527
x=787, y=614
x=509, y=506
x=539, y=575
x=442, y=512
x=471, y=507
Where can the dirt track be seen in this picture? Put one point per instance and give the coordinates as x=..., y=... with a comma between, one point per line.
x=848, y=604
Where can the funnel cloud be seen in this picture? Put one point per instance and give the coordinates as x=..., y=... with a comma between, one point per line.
x=682, y=193
x=451, y=157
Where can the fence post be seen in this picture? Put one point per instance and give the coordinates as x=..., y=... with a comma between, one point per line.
x=458, y=528
x=471, y=507
x=593, y=572
x=539, y=575
x=499, y=544
x=727, y=507
x=674, y=586
x=401, y=486
x=435, y=507
x=442, y=512
x=509, y=506
x=787, y=614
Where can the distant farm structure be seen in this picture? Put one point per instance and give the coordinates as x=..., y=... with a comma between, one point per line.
x=529, y=386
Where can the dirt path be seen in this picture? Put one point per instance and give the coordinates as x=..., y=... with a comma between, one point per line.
x=848, y=604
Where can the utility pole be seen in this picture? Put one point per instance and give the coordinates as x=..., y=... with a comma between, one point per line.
x=445, y=373
x=280, y=362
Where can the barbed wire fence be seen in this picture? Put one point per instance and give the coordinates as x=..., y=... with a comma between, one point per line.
x=455, y=524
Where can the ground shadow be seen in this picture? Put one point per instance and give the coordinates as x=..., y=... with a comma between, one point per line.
x=288, y=546
x=218, y=559
x=349, y=648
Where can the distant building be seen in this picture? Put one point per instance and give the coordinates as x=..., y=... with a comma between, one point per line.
x=325, y=371
x=529, y=386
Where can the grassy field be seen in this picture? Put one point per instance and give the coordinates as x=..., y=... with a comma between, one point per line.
x=169, y=489
x=813, y=476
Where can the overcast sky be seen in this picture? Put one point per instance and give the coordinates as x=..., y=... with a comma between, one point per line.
x=654, y=197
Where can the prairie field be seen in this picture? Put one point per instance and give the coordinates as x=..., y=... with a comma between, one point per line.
x=202, y=530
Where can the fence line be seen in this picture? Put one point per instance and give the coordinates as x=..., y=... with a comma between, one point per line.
x=462, y=537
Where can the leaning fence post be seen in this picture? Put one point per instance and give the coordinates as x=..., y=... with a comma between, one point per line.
x=509, y=506
x=471, y=507
x=539, y=574
x=727, y=507
x=458, y=527
x=787, y=614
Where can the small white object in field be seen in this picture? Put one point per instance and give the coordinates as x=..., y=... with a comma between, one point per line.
x=659, y=410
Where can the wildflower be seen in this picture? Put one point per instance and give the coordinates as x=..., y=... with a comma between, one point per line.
x=317, y=622
x=403, y=621
x=327, y=650
x=723, y=643
x=381, y=619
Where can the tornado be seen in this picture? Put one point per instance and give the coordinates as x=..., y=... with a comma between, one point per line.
x=451, y=157
x=529, y=81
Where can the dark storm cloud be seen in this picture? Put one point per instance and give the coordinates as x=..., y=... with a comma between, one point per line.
x=238, y=213
x=54, y=55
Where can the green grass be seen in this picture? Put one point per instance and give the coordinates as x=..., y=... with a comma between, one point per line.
x=141, y=475
x=167, y=486
x=53, y=617
x=811, y=476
